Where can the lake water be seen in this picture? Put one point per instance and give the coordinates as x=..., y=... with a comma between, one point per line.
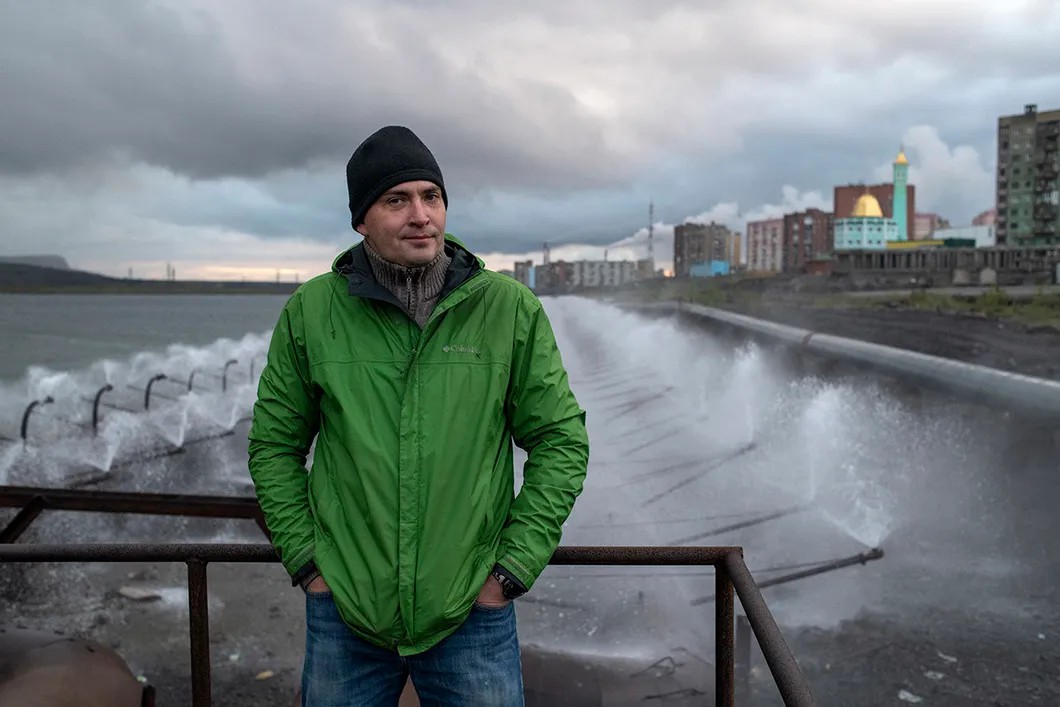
x=71, y=332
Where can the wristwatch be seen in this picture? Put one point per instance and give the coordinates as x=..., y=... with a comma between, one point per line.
x=510, y=586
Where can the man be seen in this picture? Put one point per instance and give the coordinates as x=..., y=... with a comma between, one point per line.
x=414, y=368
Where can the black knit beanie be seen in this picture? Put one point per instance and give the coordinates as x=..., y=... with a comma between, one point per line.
x=388, y=157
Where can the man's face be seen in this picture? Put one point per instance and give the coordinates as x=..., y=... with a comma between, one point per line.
x=406, y=225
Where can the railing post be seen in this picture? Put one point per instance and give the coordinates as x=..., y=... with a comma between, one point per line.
x=147, y=391
x=724, y=680
x=199, y=626
x=787, y=674
x=743, y=657
x=191, y=378
x=224, y=374
x=253, y=359
x=95, y=407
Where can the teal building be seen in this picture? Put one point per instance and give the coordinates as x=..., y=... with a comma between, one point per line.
x=867, y=228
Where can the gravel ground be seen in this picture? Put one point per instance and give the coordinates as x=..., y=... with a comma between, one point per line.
x=942, y=658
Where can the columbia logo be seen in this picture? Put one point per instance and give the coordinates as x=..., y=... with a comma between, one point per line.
x=456, y=348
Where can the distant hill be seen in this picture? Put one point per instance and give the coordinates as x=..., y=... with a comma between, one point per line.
x=31, y=279
x=41, y=261
x=22, y=276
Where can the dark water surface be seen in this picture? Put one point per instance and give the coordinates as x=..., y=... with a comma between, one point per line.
x=69, y=332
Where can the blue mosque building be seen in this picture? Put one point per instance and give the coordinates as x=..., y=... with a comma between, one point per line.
x=867, y=228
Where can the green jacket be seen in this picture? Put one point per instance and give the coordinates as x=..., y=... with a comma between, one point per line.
x=410, y=501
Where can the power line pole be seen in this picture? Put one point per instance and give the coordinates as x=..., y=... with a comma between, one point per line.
x=651, y=232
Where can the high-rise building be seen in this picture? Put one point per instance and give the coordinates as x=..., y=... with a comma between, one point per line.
x=735, y=249
x=696, y=243
x=524, y=272
x=765, y=245
x=607, y=273
x=552, y=277
x=808, y=235
x=1028, y=167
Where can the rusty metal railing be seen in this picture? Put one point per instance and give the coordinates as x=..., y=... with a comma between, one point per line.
x=732, y=576
x=31, y=501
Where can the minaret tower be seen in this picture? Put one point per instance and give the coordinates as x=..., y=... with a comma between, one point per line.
x=901, y=179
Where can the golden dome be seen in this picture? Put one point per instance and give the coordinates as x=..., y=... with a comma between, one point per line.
x=867, y=207
x=900, y=159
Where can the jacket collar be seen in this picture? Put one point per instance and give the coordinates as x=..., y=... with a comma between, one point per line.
x=354, y=266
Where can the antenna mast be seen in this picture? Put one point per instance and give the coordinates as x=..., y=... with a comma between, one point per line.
x=651, y=231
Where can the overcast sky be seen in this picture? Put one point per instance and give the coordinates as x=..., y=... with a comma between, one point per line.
x=214, y=135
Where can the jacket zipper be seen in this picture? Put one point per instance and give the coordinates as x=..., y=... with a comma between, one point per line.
x=408, y=296
x=412, y=322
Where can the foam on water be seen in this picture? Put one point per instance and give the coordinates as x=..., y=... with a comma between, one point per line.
x=60, y=434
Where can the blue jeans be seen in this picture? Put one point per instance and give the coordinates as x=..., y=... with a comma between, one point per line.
x=479, y=664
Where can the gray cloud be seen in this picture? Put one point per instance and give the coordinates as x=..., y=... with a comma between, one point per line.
x=181, y=90
x=556, y=121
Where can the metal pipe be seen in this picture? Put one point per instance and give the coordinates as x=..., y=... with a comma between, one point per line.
x=133, y=502
x=639, y=555
x=224, y=374
x=863, y=558
x=199, y=628
x=218, y=552
x=95, y=406
x=1037, y=398
x=787, y=674
x=724, y=680
x=29, y=411
x=822, y=568
x=133, y=552
x=147, y=391
x=119, y=408
x=732, y=575
x=22, y=520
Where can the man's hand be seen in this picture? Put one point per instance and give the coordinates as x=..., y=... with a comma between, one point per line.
x=318, y=585
x=491, y=593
